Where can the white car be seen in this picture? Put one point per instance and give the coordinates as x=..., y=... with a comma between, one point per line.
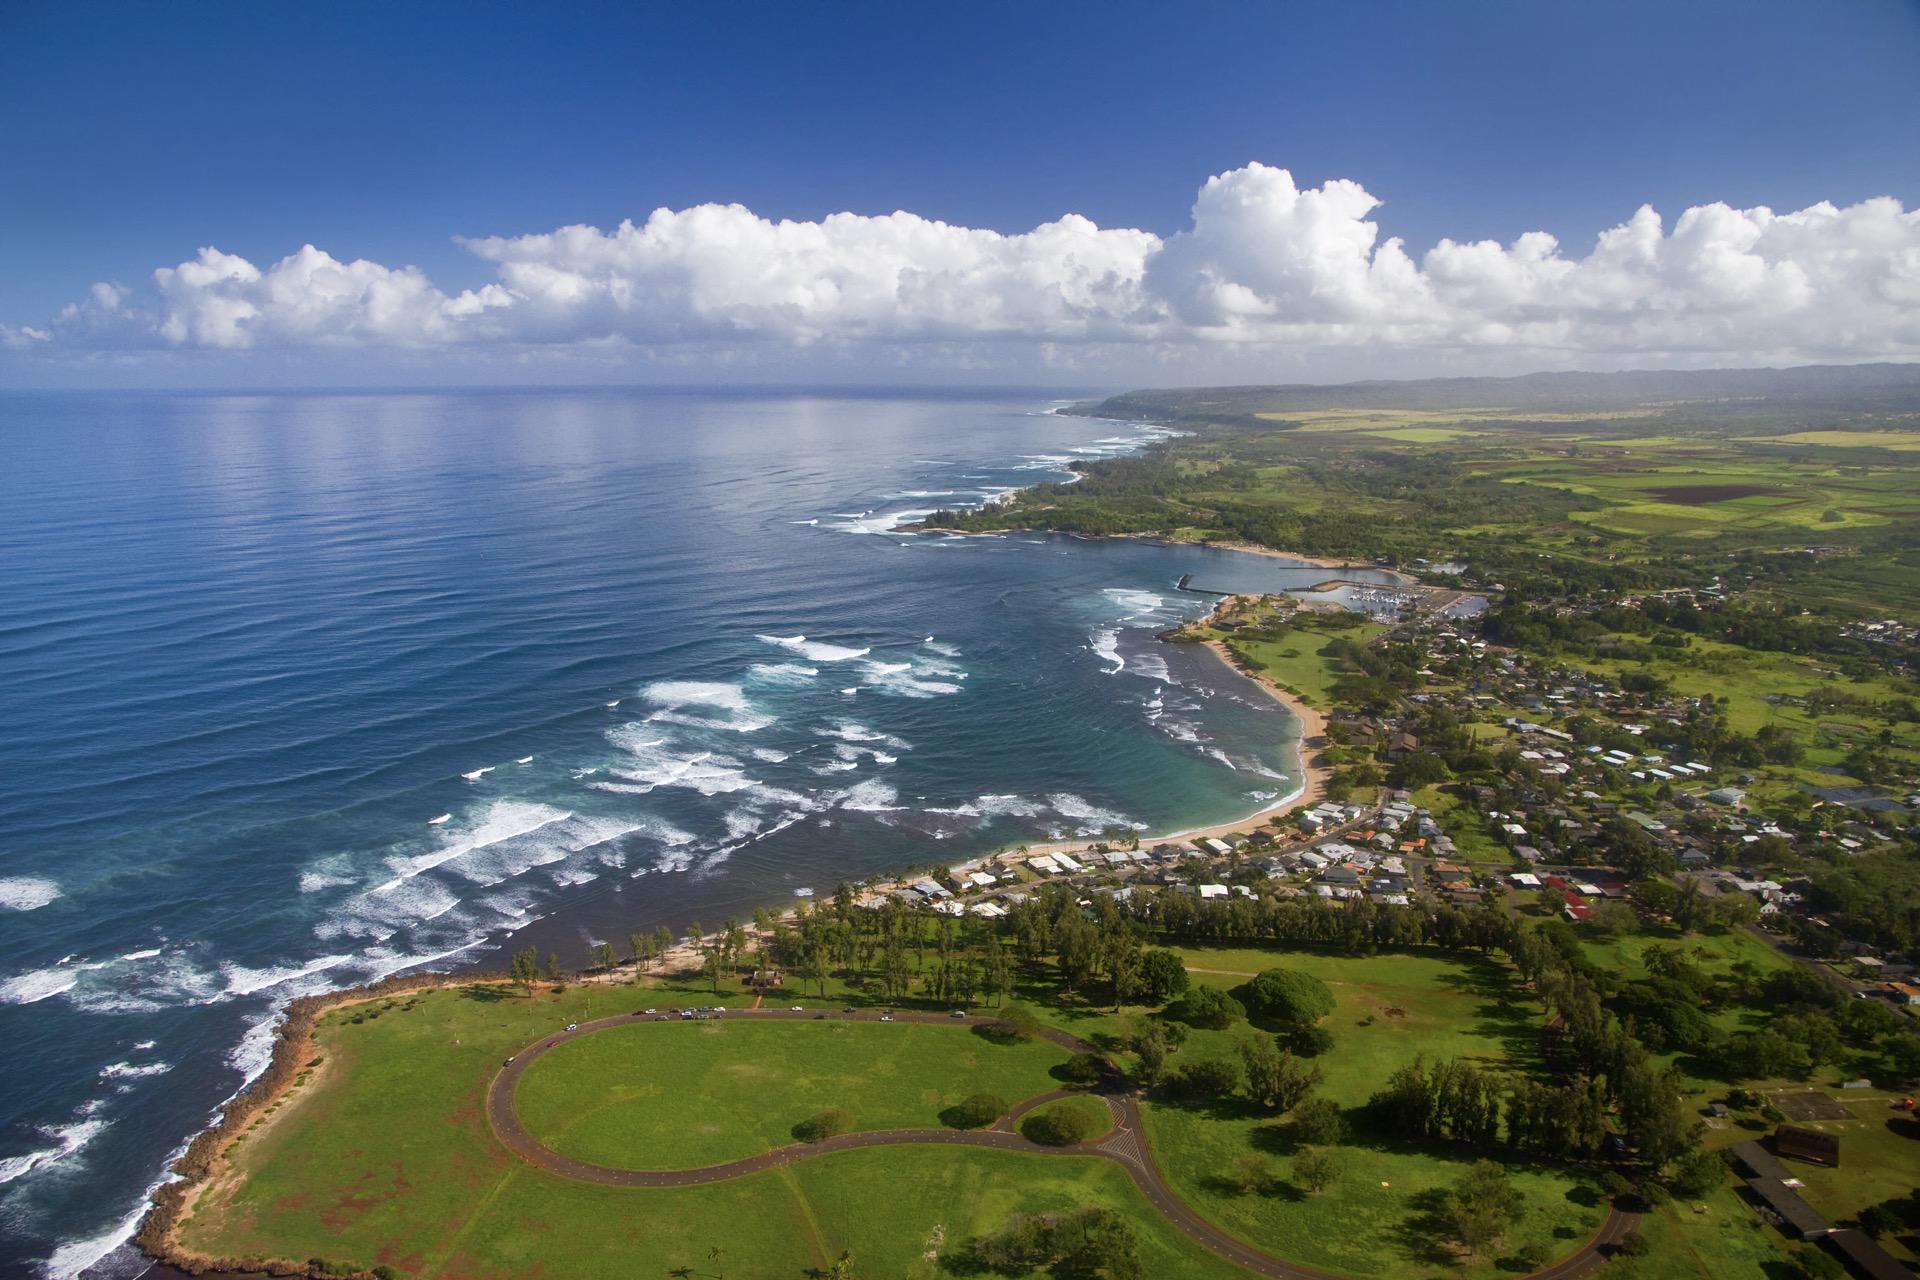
x=573, y=1026
x=646, y=1012
x=886, y=1017
x=796, y=1009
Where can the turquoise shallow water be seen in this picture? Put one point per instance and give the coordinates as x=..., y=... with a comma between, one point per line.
x=302, y=690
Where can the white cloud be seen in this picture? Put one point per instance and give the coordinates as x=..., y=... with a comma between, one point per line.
x=1265, y=268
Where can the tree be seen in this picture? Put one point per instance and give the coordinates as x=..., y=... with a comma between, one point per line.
x=1251, y=1173
x=842, y=1268
x=975, y=1112
x=1316, y=1169
x=1163, y=975
x=1209, y=1007
x=1082, y=1068
x=1697, y=1172
x=1153, y=1045
x=1319, y=1122
x=1290, y=996
x=1062, y=1124
x=524, y=969
x=603, y=956
x=553, y=968
x=1211, y=1078
x=1482, y=1206
x=823, y=1125
x=1274, y=1077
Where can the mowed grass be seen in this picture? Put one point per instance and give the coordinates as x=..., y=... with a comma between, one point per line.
x=386, y=1157
x=1374, y=1219
x=681, y=1095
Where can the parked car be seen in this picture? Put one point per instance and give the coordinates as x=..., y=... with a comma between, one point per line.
x=573, y=1026
x=958, y=1013
x=796, y=1009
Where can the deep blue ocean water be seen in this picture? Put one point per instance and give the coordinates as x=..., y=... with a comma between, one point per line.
x=646, y=657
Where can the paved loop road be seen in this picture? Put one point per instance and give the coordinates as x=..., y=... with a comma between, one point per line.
x=1126, y=1145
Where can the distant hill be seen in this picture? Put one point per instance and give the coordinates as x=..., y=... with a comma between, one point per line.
x=1857, y=387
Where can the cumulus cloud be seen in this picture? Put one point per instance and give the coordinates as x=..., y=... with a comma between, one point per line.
x=1263, y=266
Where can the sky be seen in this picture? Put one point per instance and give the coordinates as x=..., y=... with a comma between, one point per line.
x=1061, y=193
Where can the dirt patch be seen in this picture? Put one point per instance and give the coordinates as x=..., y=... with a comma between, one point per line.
x=1394, y=1011
x=1701, y=495
x=1810, y=1106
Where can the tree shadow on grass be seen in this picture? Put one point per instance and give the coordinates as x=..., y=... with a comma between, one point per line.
x=486, y=993
x=1275, y=1139
x=1270, y=1188
x=1421, y=1236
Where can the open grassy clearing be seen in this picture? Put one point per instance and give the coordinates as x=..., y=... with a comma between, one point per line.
x=683, y=1095
x=386, y=1157
x=1390, y=1008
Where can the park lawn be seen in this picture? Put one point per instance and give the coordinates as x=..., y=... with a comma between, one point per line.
x=1722, y=1239
x=386, y=1157
x=682, y=1095
x=1446, y=1007
x=1356, y=1226
x=1295, y=663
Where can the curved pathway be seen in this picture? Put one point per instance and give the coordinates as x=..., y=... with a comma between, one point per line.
x=1125, y=1145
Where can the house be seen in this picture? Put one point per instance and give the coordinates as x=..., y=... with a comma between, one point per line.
x=1800, y=1218
x=1066, y=863
x=1208, y=891
x=1802, y=1143
x=1902, y=993
x=1219, y=848
x=1857, y=1249
x=1726, y=795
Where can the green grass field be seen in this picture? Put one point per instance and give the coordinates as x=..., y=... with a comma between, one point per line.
x=1371, y=1221
x=682, y=1095
x=386, y=1157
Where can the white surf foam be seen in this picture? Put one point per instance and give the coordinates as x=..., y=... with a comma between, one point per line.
x=37, y=984
x=871, y=796
x=26, y=893
x=814, y=650
x=65, y=1139
x=906, y=679
x=134, y=1071
x=1106, y=644
x=1091, y=817
x=787, y=673
x=504, y=820
x=674, y=696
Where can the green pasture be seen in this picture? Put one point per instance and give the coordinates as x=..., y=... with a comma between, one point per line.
x=681, y=1095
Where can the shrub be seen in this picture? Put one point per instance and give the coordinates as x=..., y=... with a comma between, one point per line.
x=1318, y=1122
x=1289, y=996
x=1081, y=1068
x=1307, y=1042
x=823, y=1125
x=1209, y=1007
x=976, y=1112
x=1214, y=1078
x=1064, y=1123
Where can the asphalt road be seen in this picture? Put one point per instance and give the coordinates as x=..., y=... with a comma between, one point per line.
x=1125, y=1145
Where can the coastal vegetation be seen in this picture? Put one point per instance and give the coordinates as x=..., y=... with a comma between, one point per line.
x=1460, y=1059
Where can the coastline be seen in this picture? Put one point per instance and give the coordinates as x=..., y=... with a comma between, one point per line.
x=199, y=1168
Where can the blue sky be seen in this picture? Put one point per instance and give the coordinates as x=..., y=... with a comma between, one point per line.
x=140, y=133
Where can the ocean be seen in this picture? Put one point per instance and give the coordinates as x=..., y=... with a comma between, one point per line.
x=299, y=690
